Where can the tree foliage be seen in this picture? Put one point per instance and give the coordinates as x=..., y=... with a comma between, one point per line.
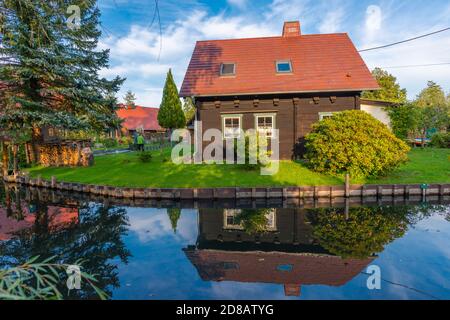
x=361, y=233
x=390, y=89
x=70, y=242
x=130, y=99
x=253, y=220
x=434, y=109
x=430, y=111
x=354, y=142
x=189, y=109
x=50, y=69
x=431, y=96
x=170, y=113
x=35, y=280
x=405, y=120
x=440, y=140
x=174, y=215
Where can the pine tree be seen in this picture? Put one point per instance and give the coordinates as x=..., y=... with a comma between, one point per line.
x=189, y=109
x=170, y=115
x=390, y=90
x=50, y=68
x=130, y=99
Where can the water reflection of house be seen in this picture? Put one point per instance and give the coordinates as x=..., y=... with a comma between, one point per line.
x=285, y=227
x=286, y=254
x=58, y=218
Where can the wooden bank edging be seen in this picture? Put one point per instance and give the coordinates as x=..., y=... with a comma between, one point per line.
x=346, y=190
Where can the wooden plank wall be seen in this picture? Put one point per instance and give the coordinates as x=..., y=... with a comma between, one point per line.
x=295, y=114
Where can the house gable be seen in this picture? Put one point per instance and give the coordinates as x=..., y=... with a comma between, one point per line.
x=320, y=63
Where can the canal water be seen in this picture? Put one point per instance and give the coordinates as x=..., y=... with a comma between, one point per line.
x=217, y=250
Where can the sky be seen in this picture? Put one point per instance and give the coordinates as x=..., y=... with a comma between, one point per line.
x=143, y=51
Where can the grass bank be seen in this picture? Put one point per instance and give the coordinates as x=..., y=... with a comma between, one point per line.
x=125, y=170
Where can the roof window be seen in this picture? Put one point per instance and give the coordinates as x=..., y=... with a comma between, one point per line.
x=228, y=69
x=284, y=66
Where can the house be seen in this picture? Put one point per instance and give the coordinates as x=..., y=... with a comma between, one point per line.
x=286, y=82
x=285, y=254
x=58, y=218
x=140, y=119
x=377, y=109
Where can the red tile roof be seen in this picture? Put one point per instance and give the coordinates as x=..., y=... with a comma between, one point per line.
x=140, y=118
x=262, y=267
x=320, y=62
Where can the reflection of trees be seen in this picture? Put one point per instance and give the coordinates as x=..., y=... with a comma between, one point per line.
x=174, y=216
x=365, y=231
x=95, y=239
x=11, y=200
x=253, y=220
x=2, y=194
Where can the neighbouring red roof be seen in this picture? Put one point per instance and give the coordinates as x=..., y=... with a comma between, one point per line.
x=140, y=118
x=320, y=62
x=59, y=218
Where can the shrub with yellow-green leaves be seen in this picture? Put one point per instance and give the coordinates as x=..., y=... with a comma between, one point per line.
x=354, y=142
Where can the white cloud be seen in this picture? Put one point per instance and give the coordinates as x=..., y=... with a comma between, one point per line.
x=135, y=54
x=287, y=10
x=424, y=51
x=374, y=19
x=242, y=4
x=150, y=224
x=332, y=21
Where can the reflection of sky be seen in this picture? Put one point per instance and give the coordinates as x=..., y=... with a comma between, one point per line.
x=158, y=268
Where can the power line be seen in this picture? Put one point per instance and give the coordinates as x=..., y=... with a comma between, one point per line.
x=160, y=29
x=417, y=65
x=156, y=14
x=405, y=286
x=407, y=40
x=149, y=25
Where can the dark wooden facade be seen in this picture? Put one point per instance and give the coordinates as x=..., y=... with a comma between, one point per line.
x=294, y=113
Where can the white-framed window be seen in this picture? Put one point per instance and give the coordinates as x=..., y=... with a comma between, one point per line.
x=231, y=126
x=271, y=217
x=227, y=69
x=325, y=115
x=230, y=222
x=229, y=219
x=265, y=123
x=284, y=66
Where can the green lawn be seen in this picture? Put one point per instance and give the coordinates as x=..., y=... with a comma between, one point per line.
x=425, y=166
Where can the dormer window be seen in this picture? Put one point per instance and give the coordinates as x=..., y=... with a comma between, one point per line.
x=284, y=66
x=228, y=69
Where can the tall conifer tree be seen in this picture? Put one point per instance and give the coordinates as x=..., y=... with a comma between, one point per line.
x=171, y=115
x=50, y=67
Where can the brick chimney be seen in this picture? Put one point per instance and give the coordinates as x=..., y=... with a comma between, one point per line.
x=292, y=290
x=291, y=29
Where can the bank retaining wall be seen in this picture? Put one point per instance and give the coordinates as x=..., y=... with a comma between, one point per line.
x=346, y=190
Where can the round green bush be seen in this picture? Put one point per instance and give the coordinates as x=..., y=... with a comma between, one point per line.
x=354, y=142
x=440, y=140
